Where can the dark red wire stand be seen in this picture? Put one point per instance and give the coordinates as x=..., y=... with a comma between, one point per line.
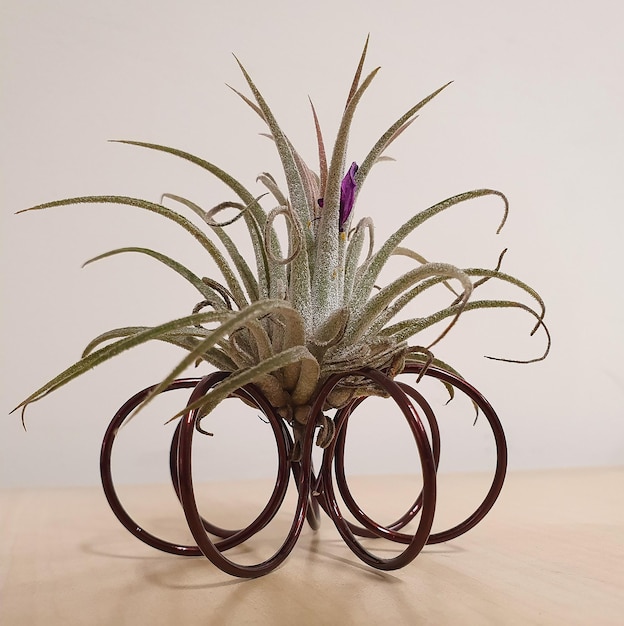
x=315, y=492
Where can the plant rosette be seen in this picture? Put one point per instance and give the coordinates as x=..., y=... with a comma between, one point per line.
x=312, y=310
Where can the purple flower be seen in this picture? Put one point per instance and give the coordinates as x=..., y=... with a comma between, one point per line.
x=347, y=196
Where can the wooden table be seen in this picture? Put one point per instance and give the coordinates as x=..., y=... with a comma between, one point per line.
x=550, y=552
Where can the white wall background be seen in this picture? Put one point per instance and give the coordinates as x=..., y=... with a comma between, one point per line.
x=536, y=110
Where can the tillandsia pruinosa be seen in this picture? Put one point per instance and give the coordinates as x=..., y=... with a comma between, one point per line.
x=312, y=307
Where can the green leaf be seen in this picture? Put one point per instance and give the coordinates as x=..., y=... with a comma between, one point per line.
x=294, y=181
x=322, y=156
x=358, y=73
x=327, y=282
x=232, y=322
x=300, y=280
x=243, y=377
x=401, y=302
x=228, y=274
x=373, y=267
x=401, y=251
x=249, y=280
x=254, y=224
x=389, y=136
x=185, y=338
x=354, y=249
x=378, y=303
x=107, y=352
x=403, y=330
x=192, y=278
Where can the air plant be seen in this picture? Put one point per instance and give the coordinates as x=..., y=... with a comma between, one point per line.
x=312, y=307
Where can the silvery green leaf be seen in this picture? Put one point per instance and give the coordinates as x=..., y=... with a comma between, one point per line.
x=403, y=330
x=249, y=280
x=327, y=281
x=192, y=278
x=373, y=267
x=255, y=218
x=208, y=245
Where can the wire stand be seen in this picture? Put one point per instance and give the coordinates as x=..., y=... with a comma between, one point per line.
x=315, y=492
